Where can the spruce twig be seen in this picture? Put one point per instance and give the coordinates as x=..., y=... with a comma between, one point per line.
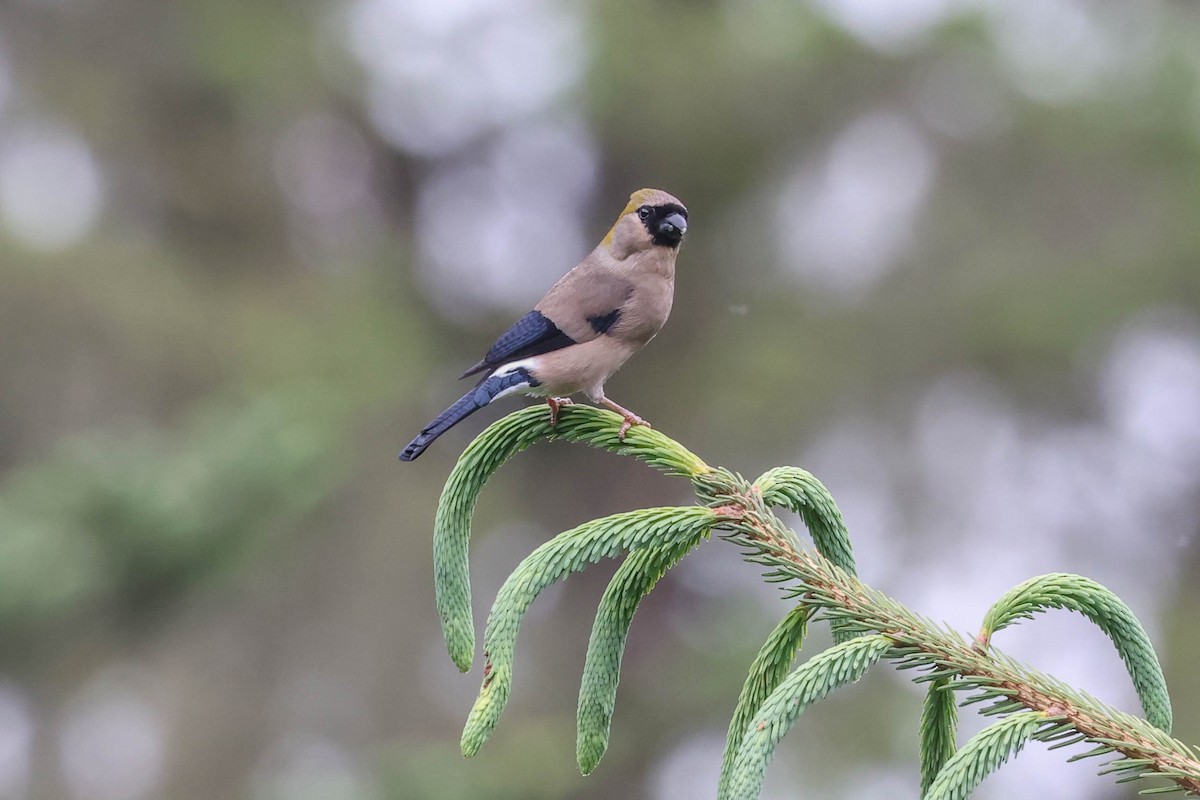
x=867, y=624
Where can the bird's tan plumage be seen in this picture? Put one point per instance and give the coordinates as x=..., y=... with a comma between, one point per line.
x=590, y=322
x=626, y=272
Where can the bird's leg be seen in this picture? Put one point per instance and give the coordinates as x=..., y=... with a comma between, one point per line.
x=631, y=418
x=555, y=404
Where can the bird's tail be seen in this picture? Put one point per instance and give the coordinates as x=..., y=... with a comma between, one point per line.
x=495, y=385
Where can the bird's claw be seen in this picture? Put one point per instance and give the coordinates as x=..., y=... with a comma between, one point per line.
x=555, y=404
x=629, y=421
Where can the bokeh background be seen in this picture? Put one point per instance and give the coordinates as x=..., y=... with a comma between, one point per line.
x=944, y=253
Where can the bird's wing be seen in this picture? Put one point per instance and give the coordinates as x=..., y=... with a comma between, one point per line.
x=533, y=334
x=585, y=303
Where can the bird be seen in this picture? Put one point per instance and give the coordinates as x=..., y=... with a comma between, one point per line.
x=587, y=325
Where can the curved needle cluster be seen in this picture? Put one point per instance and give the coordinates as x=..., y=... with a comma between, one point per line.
x=868, y=626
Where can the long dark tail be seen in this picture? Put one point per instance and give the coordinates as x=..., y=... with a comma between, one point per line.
x=485, y=392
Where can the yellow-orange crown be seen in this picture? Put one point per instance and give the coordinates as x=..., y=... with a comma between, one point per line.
x=642, y=197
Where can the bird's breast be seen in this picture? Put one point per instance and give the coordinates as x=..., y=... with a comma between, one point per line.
x=581, y=367
x=646, y=312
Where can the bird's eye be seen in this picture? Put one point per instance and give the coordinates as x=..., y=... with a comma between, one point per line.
x=644, y=213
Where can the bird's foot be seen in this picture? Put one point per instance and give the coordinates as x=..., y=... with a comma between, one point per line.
x=631, y=419
x=555, y=404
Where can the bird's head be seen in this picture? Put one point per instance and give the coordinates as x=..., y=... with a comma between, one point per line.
x=652, y=218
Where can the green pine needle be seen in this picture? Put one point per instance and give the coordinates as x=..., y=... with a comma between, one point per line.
x=939, y=726
x=1108, y=612
x=498, y=443
x=602, y=668
x=770, y=667
x=982, y=755
x=1162, y=790
x=797, y=490
x=814, y=679
x=566, y=553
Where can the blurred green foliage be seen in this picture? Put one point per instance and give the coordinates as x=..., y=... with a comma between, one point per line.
x=123, y=522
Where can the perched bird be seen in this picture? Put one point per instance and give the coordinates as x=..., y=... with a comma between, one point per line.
x=588, y=324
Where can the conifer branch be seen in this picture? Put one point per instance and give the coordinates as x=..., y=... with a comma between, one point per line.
x=868, y=625
x=990, y=674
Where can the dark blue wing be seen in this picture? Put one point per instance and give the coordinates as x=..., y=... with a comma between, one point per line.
x=533, y=334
